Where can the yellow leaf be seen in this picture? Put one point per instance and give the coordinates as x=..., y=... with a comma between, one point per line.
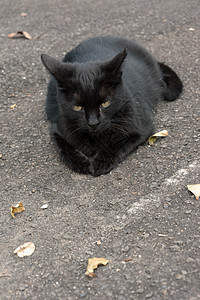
x=152, y=138
x=25, y=250
x=16, y=209
x=195, y=189
x=13, y=106
x=93, y=264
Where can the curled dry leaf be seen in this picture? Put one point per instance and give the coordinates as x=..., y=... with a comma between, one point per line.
x=152, y=138
x=16, y=209
x=93, y=263
x=25, y=250
x=20, y=34
x=195, y=189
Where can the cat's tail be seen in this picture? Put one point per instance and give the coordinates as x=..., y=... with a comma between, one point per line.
x=173, y=84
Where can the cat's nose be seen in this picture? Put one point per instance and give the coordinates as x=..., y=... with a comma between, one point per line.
x=93, y=121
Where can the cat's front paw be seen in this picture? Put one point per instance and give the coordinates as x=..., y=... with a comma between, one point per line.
x=98, y=168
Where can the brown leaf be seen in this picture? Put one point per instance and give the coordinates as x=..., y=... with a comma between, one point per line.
x=16, y=209
x=152, y=138
x=27, y=35
x=93, y=263
x=127, y=259
x=20, y=34
x=195, y=189
x=25, y=250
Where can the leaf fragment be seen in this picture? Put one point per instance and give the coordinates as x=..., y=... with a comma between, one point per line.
x=16, y=209
x=195, y=189
x=20, y=34
x=153, y=138
x=13, y=106
x=25, y=249
x=93, y=263
x=128, y=259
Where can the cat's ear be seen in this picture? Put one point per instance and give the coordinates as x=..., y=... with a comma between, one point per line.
x=113, y=68
x=61, y=71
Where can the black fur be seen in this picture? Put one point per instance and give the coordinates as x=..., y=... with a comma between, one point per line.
x=95, y=139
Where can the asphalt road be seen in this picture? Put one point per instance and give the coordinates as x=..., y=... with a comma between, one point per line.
x=142, y=210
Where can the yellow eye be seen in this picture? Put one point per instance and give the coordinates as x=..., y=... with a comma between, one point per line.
x=77, y=107
x=105, y=104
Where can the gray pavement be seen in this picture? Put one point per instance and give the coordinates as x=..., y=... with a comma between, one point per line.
x=142, y=209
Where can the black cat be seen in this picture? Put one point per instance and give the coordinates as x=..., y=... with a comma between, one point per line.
x=100, y=101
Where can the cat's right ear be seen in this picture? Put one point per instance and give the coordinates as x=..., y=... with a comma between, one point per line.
x=61, y=71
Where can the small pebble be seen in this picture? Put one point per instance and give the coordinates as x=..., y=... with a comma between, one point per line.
x=83, y=294
x=149, y=295
x=140, y=290
x=44, y=206
x=189, y=259
x=174, y=248
x=179, y=276
x=188, y=212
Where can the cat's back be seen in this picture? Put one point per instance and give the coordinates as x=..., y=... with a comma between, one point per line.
x=106, y=47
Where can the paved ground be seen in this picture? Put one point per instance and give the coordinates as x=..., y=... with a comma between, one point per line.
x=142, y=210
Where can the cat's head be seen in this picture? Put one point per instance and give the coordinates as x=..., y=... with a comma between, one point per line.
x=88, y=93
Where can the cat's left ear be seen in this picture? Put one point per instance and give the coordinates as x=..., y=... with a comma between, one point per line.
x=113, y=68
x=61, y=71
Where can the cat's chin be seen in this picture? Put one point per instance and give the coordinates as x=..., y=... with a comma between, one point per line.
x=93, y=131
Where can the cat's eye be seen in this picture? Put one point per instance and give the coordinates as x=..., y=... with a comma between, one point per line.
x=77, y=107
x=105, y=104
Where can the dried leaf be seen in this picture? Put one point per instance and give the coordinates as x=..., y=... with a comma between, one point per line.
x=27, y=35
x=11, y=35
x=195, y=189
x=152, y=138
x=13, y=106
x=20, y=34
x=127, y=259
x=93, y=263
x=25, y=250
x=16, y=209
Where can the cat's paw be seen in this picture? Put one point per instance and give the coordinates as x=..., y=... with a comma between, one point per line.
x=98, y=168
